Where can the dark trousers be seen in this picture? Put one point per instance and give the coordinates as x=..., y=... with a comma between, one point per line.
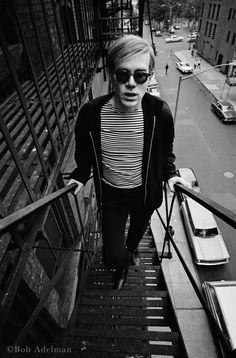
x=118, y=205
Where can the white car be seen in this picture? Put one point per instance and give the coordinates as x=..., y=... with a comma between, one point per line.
x=153, y=87
x=174, y=38
x=158, y=33
x=184, y=67
x=221, y=298
x=204, y=236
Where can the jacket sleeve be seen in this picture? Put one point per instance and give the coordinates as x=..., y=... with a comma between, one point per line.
x=169, y=169
x=83, y=146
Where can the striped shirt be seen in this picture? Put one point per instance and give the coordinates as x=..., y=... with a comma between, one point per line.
x=122, y=147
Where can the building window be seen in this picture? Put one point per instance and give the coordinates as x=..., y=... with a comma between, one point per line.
x=202, y=9
x=228, y=36
x=218, y=12
x=213, y=12
x=209, y=33
x=200, y=25
x=214, y=31
x=233, y=17
x=209, y=12
x=207, y=24
x=233, y=39
x=230, y=12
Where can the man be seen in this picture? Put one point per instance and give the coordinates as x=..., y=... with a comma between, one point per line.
x=127, y=137
x=166, y=68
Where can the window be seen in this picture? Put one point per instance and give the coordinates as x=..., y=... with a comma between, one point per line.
x=200, y=25
x=214, y=31
x=218, y=12
x=233, y=39
x=202, y=9
x=230, y=12
x=209, y=11
x=213, y=12
x=207, y=24
x=209, y=33
x=228, y=36
x=233, y=17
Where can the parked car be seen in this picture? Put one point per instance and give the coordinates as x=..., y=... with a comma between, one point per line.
x=174, y=38
x=224, y=110
x=184, y=67
x=158, y=33
x=221, y=298
x=203, y=233
x=190, y=177
x=153, y=87
x=176, y=27
x=192, y=38
x=171, y=30
x=146, y=22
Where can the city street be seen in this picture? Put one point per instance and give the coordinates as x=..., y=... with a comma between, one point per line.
x=202, y=143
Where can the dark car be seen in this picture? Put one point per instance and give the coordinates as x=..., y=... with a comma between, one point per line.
x=225, y=111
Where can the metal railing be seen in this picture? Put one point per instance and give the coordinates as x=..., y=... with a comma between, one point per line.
x=13, y=231
x=223, y=213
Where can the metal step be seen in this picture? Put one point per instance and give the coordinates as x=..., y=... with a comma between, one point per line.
x=135, y=322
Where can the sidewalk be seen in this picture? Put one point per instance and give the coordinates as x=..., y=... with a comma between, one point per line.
x=212, y=80
x=192, y=319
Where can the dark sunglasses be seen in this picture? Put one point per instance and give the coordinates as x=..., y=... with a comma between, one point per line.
x=123, y=76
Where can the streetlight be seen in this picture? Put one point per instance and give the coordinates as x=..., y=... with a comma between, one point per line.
x=181, y=78
x=170, y=7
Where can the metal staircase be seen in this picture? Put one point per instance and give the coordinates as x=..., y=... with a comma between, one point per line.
x=137, y=321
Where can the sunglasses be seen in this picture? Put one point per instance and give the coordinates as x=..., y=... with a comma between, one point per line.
x=123, y=76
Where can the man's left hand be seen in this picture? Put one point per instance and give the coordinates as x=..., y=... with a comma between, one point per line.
x=174, y=180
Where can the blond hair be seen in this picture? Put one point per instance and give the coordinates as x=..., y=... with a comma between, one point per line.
x=126, y=47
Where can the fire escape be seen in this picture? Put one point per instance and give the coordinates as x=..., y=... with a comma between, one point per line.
x=47, y=234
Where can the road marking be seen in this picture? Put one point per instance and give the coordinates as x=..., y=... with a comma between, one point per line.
x=228, y=175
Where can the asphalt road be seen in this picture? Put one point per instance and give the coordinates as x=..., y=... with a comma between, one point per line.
x=202, y=143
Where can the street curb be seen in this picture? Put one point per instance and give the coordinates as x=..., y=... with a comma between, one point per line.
x=210, y=95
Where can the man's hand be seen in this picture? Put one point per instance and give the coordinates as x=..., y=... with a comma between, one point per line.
x=79, y=185
x=174, y=180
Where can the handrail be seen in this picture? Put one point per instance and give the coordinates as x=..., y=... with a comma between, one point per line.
x=7, y=222
x=226, y=215
x=223, y=213
x=11, y=221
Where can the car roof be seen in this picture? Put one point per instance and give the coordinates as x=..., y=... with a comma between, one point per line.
x=226, y=296
x=202, y=218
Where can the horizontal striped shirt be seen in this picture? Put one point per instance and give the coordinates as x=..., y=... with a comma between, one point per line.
x=122, y=146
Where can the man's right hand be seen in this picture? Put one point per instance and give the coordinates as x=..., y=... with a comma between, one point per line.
x=79, y=185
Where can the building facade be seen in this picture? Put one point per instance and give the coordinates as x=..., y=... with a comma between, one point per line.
x=217, y=32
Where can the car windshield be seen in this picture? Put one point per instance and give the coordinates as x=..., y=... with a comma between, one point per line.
x=227, y=108
x=206, y=232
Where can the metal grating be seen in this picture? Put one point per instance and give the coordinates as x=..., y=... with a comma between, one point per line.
x=137, y=321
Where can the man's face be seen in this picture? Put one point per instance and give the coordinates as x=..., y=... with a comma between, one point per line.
x=128, y=95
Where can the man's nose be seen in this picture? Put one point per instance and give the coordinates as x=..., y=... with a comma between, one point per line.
x=131, y=81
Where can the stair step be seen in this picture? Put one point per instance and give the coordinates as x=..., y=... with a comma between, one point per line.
x=90, y=349
x=126, y=333
x=136, y=321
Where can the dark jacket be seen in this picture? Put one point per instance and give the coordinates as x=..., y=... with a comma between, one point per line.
x=158, y=158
